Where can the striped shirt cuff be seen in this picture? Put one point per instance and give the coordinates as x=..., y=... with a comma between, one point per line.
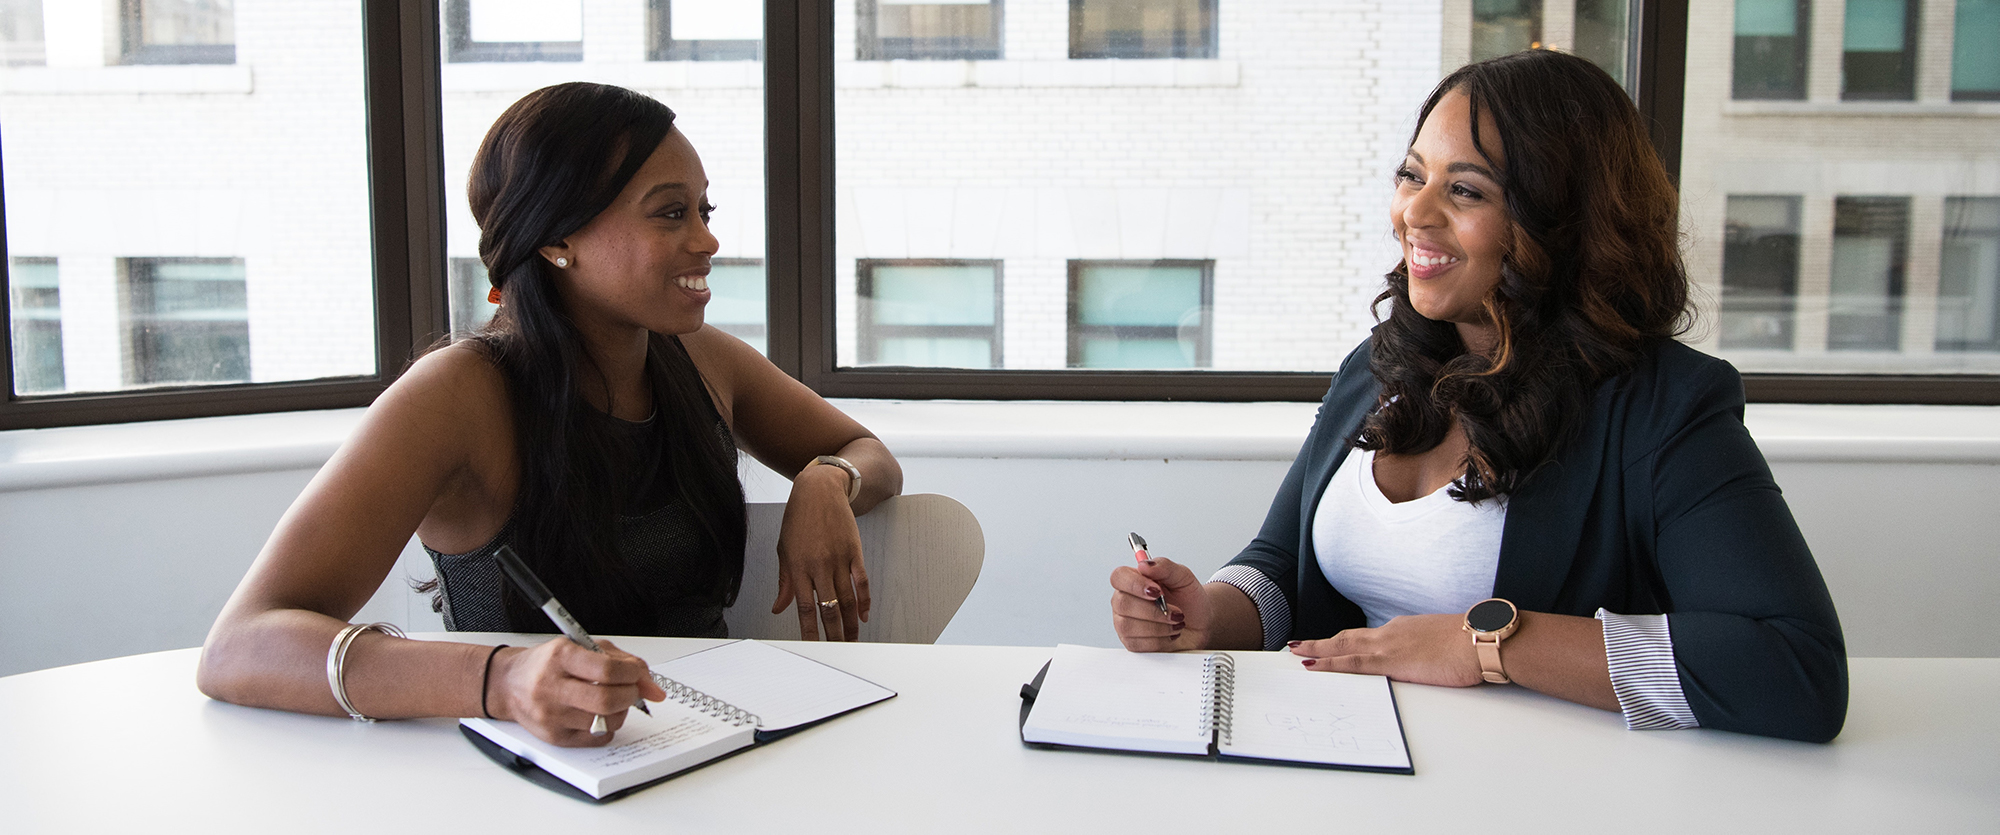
x=1273, y=613
x=1641, y=652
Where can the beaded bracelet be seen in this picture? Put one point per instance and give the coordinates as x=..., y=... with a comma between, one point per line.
x=336, y=662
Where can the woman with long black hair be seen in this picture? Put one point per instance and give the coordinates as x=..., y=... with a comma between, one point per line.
x=1521, y=476
x=591, y=427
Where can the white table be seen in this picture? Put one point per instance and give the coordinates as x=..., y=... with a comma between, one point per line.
x=129, y=745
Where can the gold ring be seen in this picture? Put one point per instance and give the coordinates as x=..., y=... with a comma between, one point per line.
x=830, y=605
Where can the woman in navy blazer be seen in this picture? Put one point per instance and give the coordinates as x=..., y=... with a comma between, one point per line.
x=1528, y=360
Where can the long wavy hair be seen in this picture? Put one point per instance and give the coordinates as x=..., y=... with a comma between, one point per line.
x=552, y=162
x=1594, y=274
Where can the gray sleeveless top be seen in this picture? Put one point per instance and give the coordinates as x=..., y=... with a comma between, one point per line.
x=656, y=535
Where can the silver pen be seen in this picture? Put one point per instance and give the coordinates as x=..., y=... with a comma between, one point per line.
x=1138, y=544
x=538, y=594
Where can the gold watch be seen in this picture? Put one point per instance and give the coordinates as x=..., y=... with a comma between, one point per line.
x=853, y=472
x=1490, y=621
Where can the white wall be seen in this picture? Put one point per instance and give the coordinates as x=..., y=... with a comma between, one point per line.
x=118, y=540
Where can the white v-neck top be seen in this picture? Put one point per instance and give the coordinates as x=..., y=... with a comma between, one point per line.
x=1430, y=555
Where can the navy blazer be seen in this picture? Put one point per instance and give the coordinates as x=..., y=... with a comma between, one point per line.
x=1661, y=505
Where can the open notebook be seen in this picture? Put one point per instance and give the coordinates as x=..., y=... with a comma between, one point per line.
x=719, y=701
x=1209, y=706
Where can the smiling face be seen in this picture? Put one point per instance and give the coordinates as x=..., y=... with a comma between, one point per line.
x=642, y=264
x=1450, y=218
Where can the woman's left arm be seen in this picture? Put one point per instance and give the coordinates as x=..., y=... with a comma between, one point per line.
x=1561, y=655
x=786, y=426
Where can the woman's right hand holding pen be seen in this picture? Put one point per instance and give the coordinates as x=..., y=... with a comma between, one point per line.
x=556, y=689
x=1136, y=613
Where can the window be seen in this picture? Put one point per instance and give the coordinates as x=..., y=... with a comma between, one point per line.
x=1503, y=26
x=513, y=30
x=1871, y=242
x=1975, y=64
x=187, y=320
x=942, y=314
x=1152, y=315
x=1760, y=272
x=706, y=30
x=1879, y=51
x=1602, y=34
x=179, y=31
x=938, y=30
x=37, y=326
x=1968, y=316
x=1142, y=28
x=736, y=302
x=21, y=33
x=469, y=291
x=1770, y=54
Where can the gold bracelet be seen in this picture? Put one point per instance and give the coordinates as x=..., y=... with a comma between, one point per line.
x=336, y=662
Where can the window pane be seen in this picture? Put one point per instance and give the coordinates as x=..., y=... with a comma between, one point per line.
x=37, y=325
x=204, y=228
x=1830, y=235
x=1878, y=59
x=1503, y=26
x=1969, y=276
x=21, y=33
x=179, y=31
x=1760, y=272
x=1975, y=64
x=737, y=303
x=718, y=105
x=948, y=30
x=942, y=314
x=1251, y=185
x=1770, y=49
x=1602, y=33
x=1142, y=28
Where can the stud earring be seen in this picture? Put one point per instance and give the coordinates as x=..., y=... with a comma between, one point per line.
x=562, y=262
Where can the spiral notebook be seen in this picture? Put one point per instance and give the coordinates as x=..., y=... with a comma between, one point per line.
x=1212, y=706
x=720, y=701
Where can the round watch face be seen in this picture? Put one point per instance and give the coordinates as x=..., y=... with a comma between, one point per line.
x=1490, y=616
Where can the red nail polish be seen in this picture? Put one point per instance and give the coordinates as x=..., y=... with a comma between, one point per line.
x=1149, y=561
x=1152, y=592
x=1308, y=662
x=1292, y=643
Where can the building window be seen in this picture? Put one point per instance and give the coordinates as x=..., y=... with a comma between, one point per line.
x=37, y=326
x=179, y=31
x=1770, y=54
x=21, y=43
x=1969, y=275
x=1142, y=28
x=736, y=303
x=1975, y=64
x=933, y=313
x=1602, y=35
x=706, y=30
x=469, y=290
x=513, y=30
x=1760, y=272
x=1500, y=27
x=1879, y=50
x=186, y=321
x=1871, y=242
x=887, y=30
x=1144, y=314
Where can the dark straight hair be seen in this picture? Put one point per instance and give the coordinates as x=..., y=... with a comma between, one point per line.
x=1594, y=275
x=552, y=162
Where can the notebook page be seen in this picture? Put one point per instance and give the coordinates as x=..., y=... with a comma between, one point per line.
x=784, y=689
x=1128, y=701
x=1304, y=716
x=674, y=738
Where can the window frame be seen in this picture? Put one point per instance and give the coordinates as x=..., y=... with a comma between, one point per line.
x=460, y=48
x=661, y=45
x=133, y=49
x=1210, y=42
x=868, y=39
x=403, y=56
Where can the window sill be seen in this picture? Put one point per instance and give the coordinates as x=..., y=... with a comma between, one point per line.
x=1904, y=109
x=514, y=77
x=234, y=79
x=1004, y=74
x=35, y=459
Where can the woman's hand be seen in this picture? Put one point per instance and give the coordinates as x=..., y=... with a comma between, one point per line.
x=819, y=557
x=1423, y=649
x=1135, y=608
x=555, y=690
